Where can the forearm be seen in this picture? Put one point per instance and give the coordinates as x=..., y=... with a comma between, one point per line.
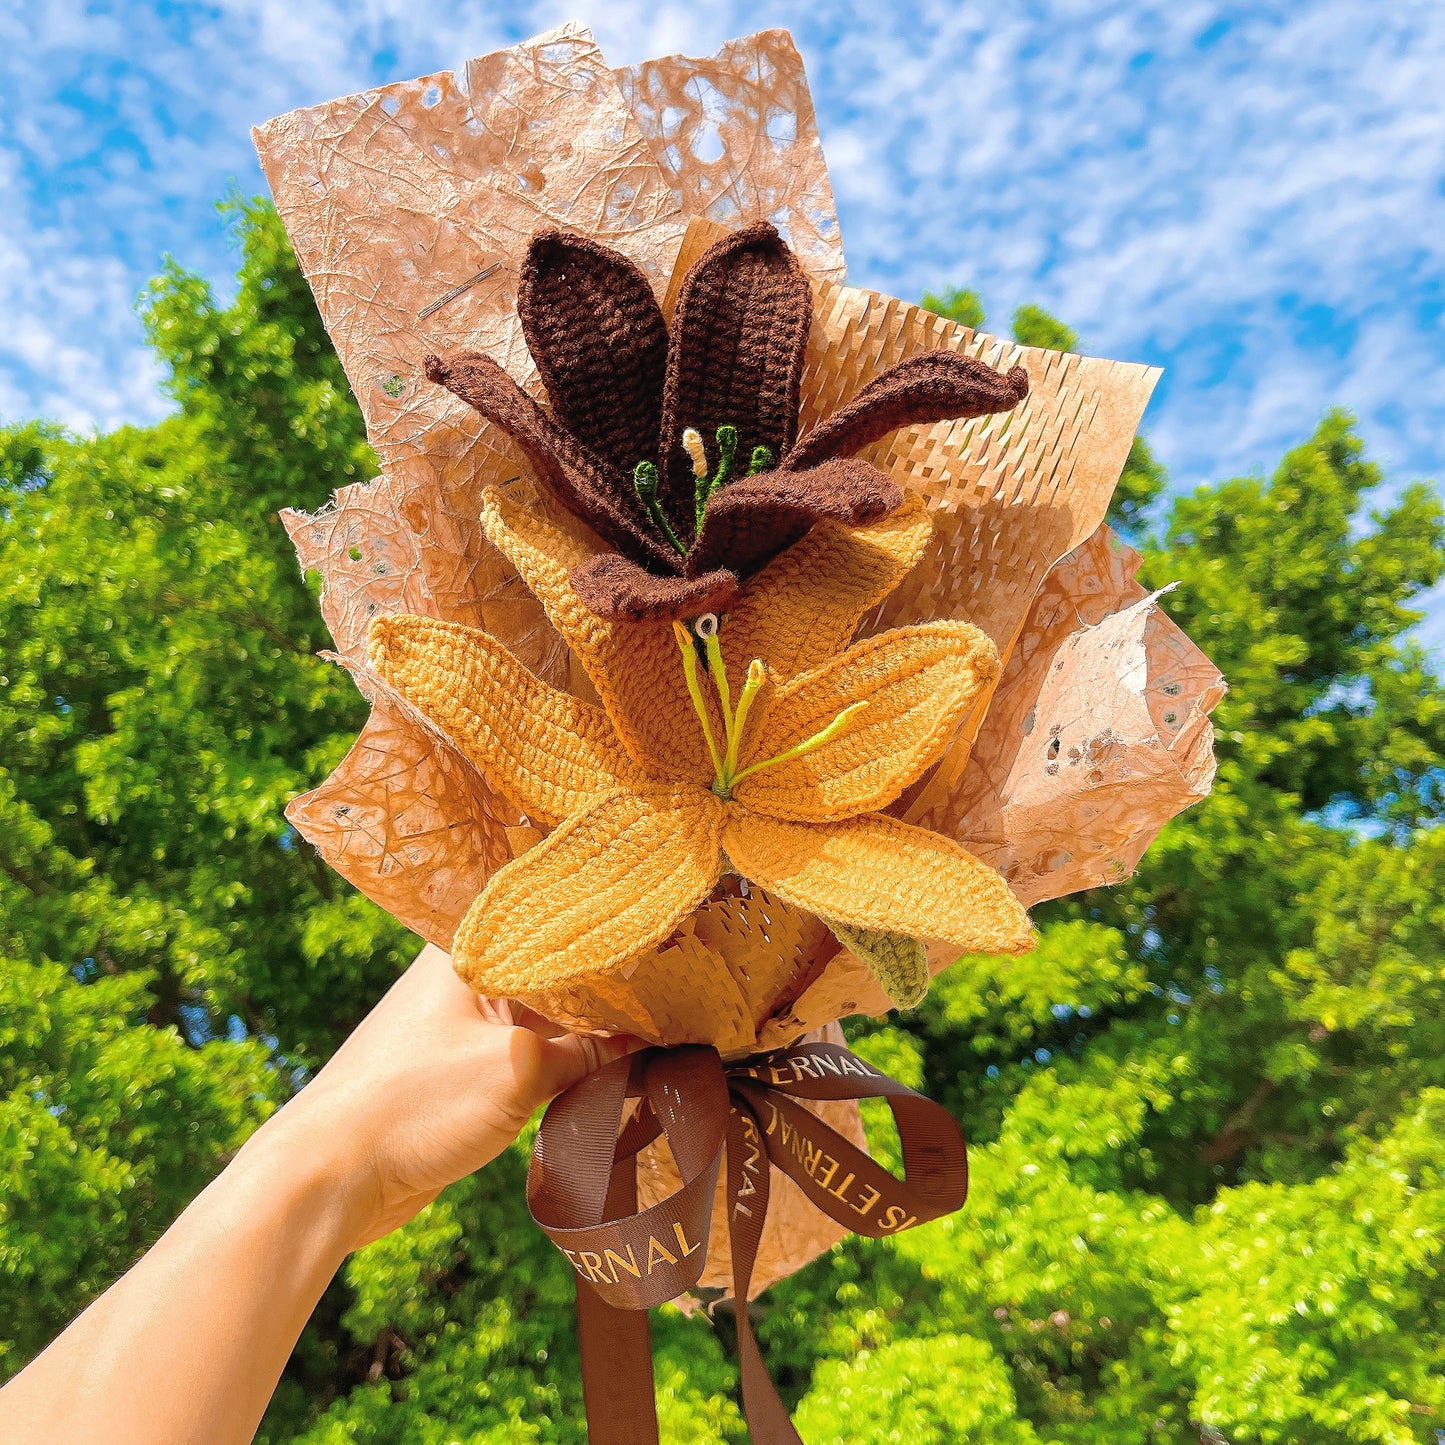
x=188, y=1347
x=216, y=1306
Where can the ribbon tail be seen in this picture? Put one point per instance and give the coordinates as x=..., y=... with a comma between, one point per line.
x=768, y=1422
x=617, y=1378
x=618, y=1382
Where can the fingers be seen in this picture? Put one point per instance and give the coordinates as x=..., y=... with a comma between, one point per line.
x=562, y=1062
x=545, y=1058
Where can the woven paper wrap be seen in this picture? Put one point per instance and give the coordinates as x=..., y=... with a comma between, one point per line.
x=410, y=208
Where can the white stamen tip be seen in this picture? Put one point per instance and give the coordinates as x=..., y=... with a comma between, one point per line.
x=706, y=625
x=692, y=445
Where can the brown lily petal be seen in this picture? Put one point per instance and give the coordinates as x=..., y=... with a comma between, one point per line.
x=934, y=386
x=752, y=520
x=736, y=358
x=596, y=332
x=618, y=590
x=581, y=484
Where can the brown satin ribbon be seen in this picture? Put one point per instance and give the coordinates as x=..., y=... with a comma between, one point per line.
x=582, y=1191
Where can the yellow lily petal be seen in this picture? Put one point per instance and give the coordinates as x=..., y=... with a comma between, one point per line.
x=875, y=872
x=806, y=604
x=918, y=684
x=633, y=665
x=548, y=753
x=605, y=886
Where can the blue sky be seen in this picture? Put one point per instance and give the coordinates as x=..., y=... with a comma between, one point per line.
x=1251, y=196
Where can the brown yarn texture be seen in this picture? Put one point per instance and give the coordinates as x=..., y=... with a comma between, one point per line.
x=576, y=477
x=740, y=330
x=623, y=391
x=597, y=335
x=754, y=519
x=937, y=386
x=618, y=590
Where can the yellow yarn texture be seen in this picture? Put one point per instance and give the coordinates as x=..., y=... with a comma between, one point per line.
x=606, y=885
x=918, y=682
x=806, y=604
x=644, y=821
x=547, y=752
x=633, y=666
x=876, y=872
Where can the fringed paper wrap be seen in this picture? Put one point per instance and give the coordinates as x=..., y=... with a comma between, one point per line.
x=410, y=208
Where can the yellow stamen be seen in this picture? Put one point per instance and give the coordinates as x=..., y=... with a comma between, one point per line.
x=692, y=445
x=754, y=681
x=689, y=669
x=725, y=768
x=807, y=745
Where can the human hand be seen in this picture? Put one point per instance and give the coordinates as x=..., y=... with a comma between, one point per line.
x=433, y=1084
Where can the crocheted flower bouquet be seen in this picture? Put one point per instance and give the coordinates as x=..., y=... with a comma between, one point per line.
x=742, y=646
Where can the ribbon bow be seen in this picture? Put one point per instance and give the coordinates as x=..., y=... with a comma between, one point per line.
x=582, y=1191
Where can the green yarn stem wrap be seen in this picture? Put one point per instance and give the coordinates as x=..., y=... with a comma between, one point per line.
x=645, y=482
x=727, y=447
x=898, y=962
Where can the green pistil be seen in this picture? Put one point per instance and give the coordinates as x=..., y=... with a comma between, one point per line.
x=727, y=450
x=645, y=480
x=726, y=773
x=762, y=460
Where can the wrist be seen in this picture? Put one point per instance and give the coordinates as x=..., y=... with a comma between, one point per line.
x=311, y=1176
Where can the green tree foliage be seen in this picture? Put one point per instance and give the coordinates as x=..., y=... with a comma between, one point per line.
x=1207, y=1199
x=1033, y=326
x=958, y=304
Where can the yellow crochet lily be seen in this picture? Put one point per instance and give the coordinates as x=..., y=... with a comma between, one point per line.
x=653, y=796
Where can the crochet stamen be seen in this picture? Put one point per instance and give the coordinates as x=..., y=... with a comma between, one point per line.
x=645, y=481
x=808, y=744
x=692, y=445
x=726, y=773
x=727, y=447
x=694, y=691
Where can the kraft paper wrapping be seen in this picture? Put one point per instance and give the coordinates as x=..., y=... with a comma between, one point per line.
x=410, y=208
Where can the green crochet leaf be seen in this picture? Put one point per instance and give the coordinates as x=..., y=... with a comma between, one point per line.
x=898, y=962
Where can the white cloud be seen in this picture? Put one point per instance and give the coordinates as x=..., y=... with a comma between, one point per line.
x=1188, y=182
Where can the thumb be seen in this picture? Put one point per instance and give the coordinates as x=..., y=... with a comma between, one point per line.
x=568, y=1060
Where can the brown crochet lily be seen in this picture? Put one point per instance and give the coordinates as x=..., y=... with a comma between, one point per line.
x=681, y=451
x=654, y=795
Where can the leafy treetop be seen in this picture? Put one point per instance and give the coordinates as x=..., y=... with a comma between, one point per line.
x=1205, y=1112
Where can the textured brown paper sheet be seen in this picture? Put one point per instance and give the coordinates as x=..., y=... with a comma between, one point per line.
x=398, y=201
x=737, y=139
